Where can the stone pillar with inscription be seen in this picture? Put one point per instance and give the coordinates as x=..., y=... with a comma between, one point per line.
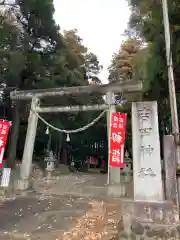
x=148, y=211
x=146, y=152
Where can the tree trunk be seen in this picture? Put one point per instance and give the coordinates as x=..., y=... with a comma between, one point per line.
x=14, y=136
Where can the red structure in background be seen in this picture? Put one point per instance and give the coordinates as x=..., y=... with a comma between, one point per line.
x=92, y=160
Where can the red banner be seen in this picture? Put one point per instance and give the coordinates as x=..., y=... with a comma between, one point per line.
x=4, y=130
x=117, y=139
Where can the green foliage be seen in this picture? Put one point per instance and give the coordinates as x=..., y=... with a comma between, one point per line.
x=123, y=62
x=148, y=63
x=34, y=54
x=146, y=23
x=84, y=64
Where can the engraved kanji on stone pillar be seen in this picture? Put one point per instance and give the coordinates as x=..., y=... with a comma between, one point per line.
x=146, y=152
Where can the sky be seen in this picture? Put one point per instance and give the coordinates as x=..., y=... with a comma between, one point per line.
x=100, y=23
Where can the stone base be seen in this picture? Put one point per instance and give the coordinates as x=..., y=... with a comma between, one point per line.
x=22, y=184
x=157, y=212
x=49, y=175
x=150, y=219
x=116, y=190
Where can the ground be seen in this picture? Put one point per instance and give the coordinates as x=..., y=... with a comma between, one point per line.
x=77, y=206
x=69, y=207
x=36, y=215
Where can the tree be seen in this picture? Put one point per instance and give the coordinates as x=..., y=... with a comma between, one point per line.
x=35, y=55
x=124, y=67
x=92, y=68
x=10, y=68
x=123, y=62
x=85, y=68
x=87, y=62
x=146, y=22
x=35, y=44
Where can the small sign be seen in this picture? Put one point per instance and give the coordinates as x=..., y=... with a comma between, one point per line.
x=5, y=177
x=120, y=100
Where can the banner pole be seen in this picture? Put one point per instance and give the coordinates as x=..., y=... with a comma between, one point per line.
x=112, y=108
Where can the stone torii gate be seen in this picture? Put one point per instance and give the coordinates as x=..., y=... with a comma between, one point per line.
x=36, y=95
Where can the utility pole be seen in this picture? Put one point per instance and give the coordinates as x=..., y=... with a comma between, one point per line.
x=172, y=92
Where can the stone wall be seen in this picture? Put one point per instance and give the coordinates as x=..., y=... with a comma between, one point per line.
x=149, y=221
